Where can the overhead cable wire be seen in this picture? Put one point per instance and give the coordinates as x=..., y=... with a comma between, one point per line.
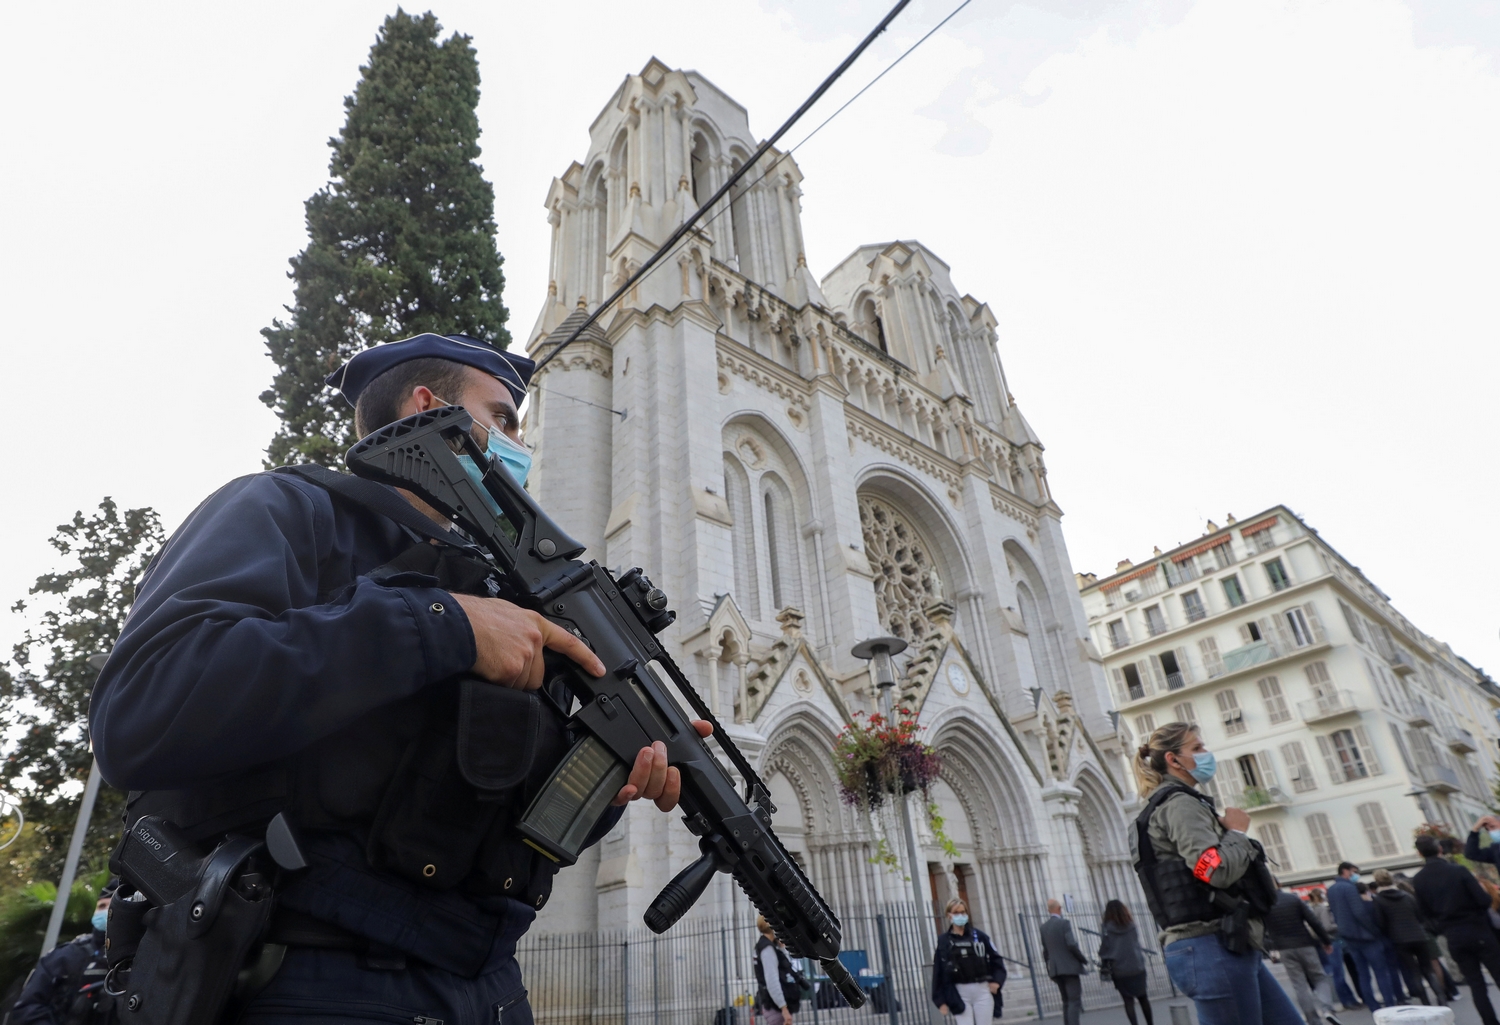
x=723, y=190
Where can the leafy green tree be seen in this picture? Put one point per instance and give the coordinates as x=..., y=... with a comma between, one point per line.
x=44, y=694
x=401, y=239
x=23, y=923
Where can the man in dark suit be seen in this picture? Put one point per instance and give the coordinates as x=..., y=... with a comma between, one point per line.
x=1457, y=906
x=1065, y=962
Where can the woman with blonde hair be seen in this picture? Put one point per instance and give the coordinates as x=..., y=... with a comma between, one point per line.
x=1206, y=883
x=967, y=970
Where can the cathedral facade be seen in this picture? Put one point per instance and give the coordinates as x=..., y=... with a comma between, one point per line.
x=802, y=464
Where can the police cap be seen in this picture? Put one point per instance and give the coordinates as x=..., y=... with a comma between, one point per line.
x=509, y=369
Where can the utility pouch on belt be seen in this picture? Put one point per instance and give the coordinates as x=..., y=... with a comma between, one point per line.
x=176, y=955
x=447, y=816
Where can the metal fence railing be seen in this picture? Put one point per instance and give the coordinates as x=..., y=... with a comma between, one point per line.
x=693, y=974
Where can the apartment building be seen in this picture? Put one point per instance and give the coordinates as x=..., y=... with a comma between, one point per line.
x=1338, y=725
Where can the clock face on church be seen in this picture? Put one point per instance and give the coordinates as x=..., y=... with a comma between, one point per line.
x=956, y=678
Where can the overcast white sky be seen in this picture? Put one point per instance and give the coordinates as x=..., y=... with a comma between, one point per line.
x=1241, y=252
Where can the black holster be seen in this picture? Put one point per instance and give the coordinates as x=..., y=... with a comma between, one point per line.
x=175, y=957
x=1234, y=927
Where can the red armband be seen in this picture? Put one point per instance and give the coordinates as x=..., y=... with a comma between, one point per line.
x=1207, y=862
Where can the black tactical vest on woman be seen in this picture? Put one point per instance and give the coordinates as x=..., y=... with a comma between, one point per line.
x=1174, y=895
x=430, y=786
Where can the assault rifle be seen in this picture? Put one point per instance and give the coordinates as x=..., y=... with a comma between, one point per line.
x=628, y=708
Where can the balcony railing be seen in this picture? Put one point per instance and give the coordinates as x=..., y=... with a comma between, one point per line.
x=1417, y=713
x=1175, y=681
x=1437, y=777
x=1249, y=655
x=1460, y=740
x=1254, y=799
x=1156, y=629
x=1195, y=612
x=1401, y=663
x=1329, y=706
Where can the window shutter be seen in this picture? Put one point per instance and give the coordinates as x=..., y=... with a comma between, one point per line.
x=1267, y=768
x=1273, y=629
x=1182, y=665
x=1335, y=771
x=1302, y=776
x=1245, y=637
x=1367, y=751
x=1353, y=622
x=1212, y=663
x=1377, y=829
x=1143, y=669
x=1401, y=749
x=1121, y=694
x=1314, y=622
x=1270, y=693
x=1157, y=674
x=1324, y=843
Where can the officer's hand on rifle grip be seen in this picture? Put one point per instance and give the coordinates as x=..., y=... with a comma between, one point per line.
x=652, y=778
x=510, y=641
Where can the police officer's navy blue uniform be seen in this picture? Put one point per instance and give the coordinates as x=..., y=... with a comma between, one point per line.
x=264, y=669
x=66, y=987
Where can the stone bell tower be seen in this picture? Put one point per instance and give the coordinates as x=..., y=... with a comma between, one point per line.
x=801, y=465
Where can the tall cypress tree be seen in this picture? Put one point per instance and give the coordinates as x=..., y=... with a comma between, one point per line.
x=402, y=239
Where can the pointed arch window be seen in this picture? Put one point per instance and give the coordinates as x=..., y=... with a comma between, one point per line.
x=778, y=594
x=782, y=550
x=742, y=535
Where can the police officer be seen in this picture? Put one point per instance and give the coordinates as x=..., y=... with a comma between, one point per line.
x=67, y=985
x=294, y=649
x=1184, y=852
x=967, y=970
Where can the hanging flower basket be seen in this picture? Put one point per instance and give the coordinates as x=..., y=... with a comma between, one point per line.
x=876, y=758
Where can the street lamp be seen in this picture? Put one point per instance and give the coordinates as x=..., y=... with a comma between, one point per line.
x=75, y=846
x=878, y=652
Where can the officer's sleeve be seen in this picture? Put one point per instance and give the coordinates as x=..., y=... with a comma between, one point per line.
x=35, y=1004
x=1217, y=857
x=231, y=657
x=1474, y=852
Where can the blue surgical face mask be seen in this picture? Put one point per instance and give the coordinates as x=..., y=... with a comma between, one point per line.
x=515, y=458
x=1354, y=877
x=1495, y=836
x=960, y=920
x=100, y=920
x=1204, y=766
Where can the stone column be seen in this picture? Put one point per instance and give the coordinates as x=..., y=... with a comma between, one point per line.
x=1061, y=801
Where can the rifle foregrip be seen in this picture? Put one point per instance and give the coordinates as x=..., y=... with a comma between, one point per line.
x=680, y=894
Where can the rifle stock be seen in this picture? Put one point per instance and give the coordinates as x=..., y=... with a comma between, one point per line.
x=626, y=709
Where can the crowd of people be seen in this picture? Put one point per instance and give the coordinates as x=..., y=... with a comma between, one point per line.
x=1222, y=915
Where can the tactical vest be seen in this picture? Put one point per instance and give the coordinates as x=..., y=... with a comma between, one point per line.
x=969, y=957
x=431, y=785
x=1174, y=895
x=791, y=982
